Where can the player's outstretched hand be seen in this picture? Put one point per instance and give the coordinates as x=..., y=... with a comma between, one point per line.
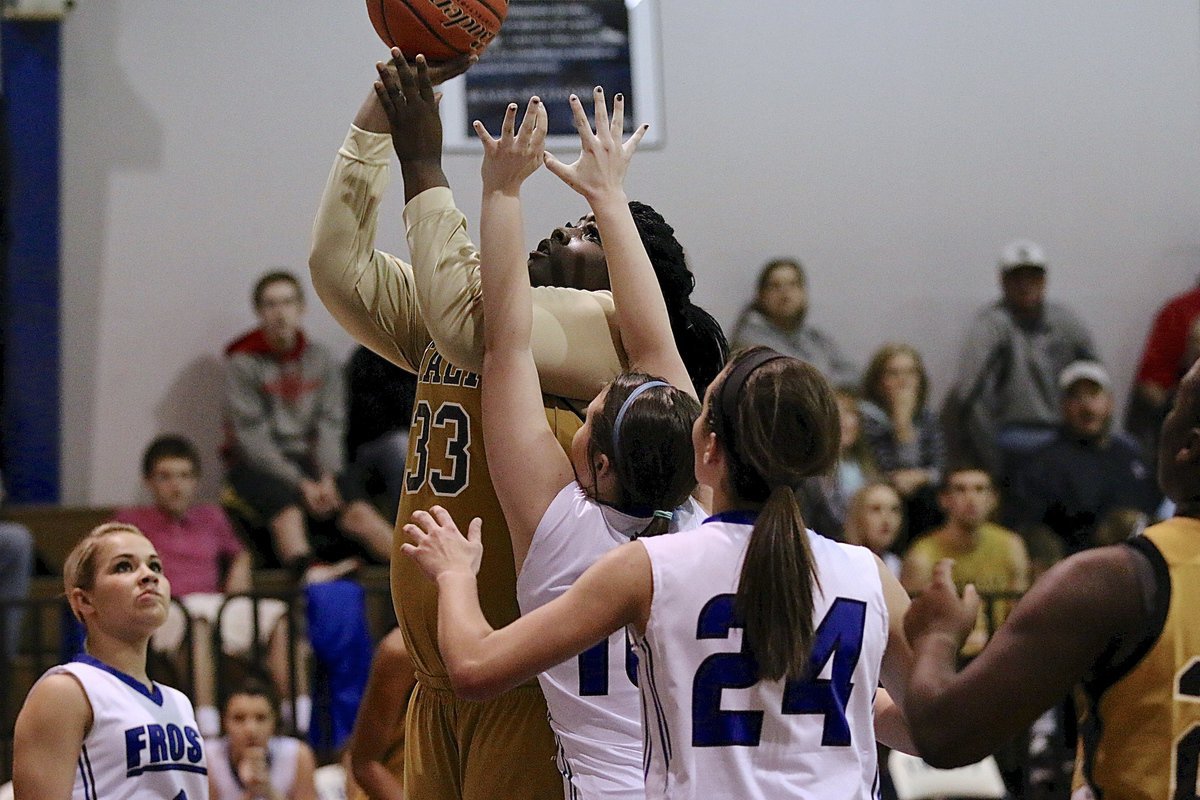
x=516, y=154
x=940, y=610
x=437, y=545
x=603, y=156
x=411, y=106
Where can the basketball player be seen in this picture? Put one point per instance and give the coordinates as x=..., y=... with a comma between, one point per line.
x=629, y=471
x=425, y=318
x=760, y=644
x=376, y=749
x=1120, y=623
x=98, y=726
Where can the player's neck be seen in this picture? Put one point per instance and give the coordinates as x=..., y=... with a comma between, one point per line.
x=124, y=656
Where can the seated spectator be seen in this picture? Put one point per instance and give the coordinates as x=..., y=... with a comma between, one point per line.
x=377, y=746
x=874, y=520
x=205, y=563
x=286, y=422
x=1004, y=403
x=903, y=434
x=992, y=558
x=777, y=318
x=250, y=762
x=824, y=500
x=1170, y=349
x=1086, y=471
x=380, y=413
x=16, y=565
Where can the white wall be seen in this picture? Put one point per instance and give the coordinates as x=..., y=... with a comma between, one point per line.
x=893, y=146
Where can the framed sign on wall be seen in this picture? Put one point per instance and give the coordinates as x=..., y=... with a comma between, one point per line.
x=556, y=48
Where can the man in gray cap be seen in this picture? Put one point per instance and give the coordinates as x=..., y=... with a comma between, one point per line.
x=1005, y=400
x=1087, y=471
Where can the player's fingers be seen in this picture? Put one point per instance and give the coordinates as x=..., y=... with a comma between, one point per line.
x=558, y=168
x=424, y=81
x=415, y=534
x=475, y=531
x=943, y=572
x=617, y=126
x=408, y=550
x=601, y=112
x=442, y=517
x=408, y=78
x=391, y=85
x=579, y=117
x=529, y=122
x=482, y=132
x=384, y=99
x=971, y=598
x=510, y=121
x=636, y=137
x=422, y=519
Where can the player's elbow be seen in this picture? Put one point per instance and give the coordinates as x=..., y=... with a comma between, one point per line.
x=472, y=681
x=946, y=743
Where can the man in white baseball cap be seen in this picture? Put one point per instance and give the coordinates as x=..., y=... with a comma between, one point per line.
x=1005, y=400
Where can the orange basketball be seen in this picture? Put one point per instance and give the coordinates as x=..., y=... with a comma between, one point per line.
x=441, y=29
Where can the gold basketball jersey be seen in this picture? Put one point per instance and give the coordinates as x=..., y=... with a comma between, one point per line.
x=1139, y=732
x=447, y=466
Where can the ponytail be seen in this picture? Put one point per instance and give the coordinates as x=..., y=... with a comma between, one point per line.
x=775, y=591
x=777, y=421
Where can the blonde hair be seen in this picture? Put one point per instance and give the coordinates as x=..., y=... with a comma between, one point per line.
x=79, y=570
x=852, y=532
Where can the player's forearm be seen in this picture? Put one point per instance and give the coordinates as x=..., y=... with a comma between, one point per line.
x=462, y=638
x=422, y=174
x=641, y=312
x=374, y=779
x=507, y=298
x=936, y=715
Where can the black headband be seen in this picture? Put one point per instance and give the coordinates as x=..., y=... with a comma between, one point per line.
x=731, y=389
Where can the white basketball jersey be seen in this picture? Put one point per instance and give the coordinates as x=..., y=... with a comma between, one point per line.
x=282, y=755
x=143, y=744
x=712, y=728
x=593, y=698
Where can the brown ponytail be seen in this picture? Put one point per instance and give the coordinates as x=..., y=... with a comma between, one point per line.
x=777, y=421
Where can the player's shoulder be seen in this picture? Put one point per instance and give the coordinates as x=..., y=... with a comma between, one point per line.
x=59, y=693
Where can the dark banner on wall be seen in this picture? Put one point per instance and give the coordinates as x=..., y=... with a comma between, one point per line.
x=556, y=48
x=553, y=49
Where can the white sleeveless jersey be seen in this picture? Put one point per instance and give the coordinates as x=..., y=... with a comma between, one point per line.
x=143, y=745
x=593, y=698
x=282, y=754
x=712, y=728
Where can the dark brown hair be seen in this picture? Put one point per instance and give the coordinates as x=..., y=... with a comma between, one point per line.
x=652, y=454
x=273, y=277
x=782, y=428
x=169, y=446
x=872, y=383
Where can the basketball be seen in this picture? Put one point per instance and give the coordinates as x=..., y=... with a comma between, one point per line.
x=441, y=29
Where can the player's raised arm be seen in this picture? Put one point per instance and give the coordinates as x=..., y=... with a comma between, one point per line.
x=483, y=662
x=527, y=465
x=599, y=175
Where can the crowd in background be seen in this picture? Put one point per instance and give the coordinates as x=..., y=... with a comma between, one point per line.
x=1023, y=463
